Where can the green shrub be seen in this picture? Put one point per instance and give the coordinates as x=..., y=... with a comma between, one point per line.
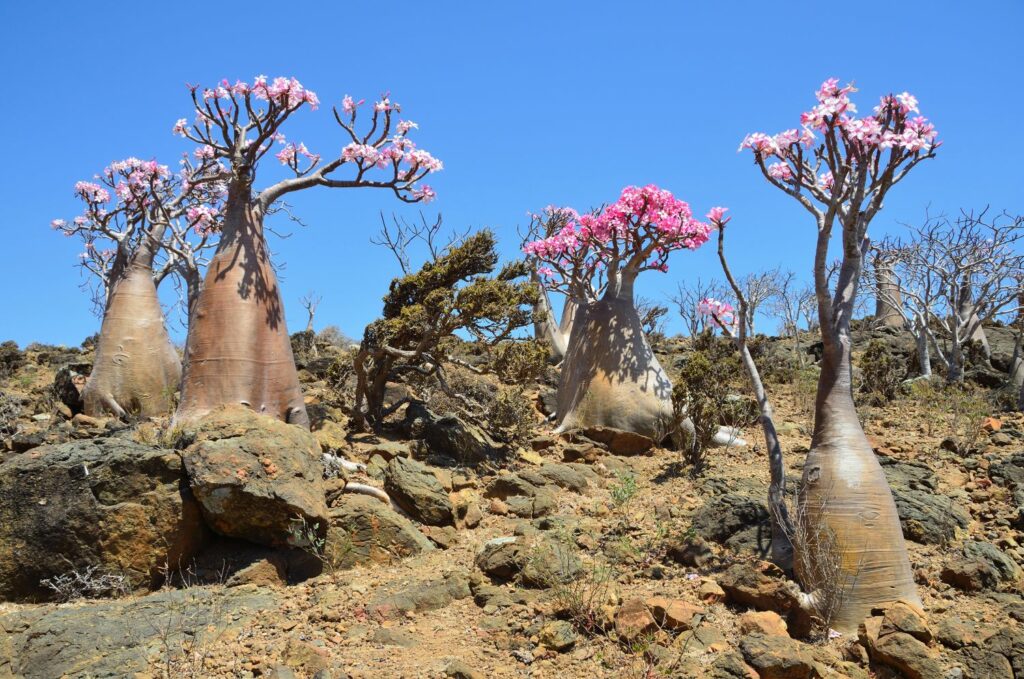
x=520, y=362
x=702, y=394
x=511, y=416
x=882, y=371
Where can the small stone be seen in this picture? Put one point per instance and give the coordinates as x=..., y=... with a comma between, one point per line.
x=673, y=614
x=710, y=592
x=457, y=669
x=558, y=636
x=633, y=620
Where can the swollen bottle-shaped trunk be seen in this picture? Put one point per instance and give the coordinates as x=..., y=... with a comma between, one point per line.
x=238, y=349
x=136, y=370
x=862, y=555
x=887, y=296
x=610, y=376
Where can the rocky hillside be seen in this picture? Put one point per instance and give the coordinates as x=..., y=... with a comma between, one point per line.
x=504, y=551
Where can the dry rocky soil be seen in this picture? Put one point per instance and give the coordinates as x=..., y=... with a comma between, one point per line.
x=592, y=554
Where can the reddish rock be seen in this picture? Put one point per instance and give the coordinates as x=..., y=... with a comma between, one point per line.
x=633, y=620
x=768, y=623
x=673, y=614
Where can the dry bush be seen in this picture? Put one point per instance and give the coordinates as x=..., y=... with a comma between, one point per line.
x=817, y=562
x=957, y=409
x=91, y=582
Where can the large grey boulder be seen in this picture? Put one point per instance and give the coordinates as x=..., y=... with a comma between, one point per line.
x=117, y=506
x=415, y=489
x=363, y=530
x=256, y=477
x=123, y=638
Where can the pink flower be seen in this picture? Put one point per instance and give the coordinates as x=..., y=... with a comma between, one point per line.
x=180, y=127
x=424, y=193
x=722, y=313
x=781, y=171
x=405, y=125
x=349, y=106
x=92, y=193
x=715, y=215
x=205, y=152
x=825, y=181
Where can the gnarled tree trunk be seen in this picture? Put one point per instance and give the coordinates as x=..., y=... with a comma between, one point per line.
x=861, y=558
x=610, y=376
x=136, y=370
x=238, y=349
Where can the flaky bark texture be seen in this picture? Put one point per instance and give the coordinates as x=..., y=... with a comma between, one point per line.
x=238, y=349
x=136, y=370
x=610, y=376
x=844, y=487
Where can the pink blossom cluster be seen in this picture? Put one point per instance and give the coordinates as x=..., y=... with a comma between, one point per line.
x=285, y=92
x=291, y=151
x=424, y=193
x=203, y=218
x=722, y=313
x=91, y=192
x=890, y=127
x=645, y=221
x=400, y=149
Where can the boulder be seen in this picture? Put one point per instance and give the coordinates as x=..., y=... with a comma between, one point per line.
x=414, y=488
x=897, y=650
x=737, y=521
x=674, y=614
x=452, y=437
x=103, y=638
x=117, y=506
x=428, y=595
x=68, y=384
x=363, y=531
x=768, y=623
x=982, y=566
x=558, y=635
x=633, y=621
x=620, y=442
x=778, y=657
x=502, y=558
x=256, y=477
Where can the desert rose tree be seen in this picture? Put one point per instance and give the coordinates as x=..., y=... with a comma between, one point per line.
x=610, y=377
x=135, y=206
x=238, y=350
x=840, y=168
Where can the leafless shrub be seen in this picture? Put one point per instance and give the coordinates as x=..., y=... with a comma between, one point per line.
x=818, y=562
x=91, y=582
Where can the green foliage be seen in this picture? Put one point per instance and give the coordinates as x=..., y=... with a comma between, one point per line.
x=624, y=490
x=955, y=411
x=511, y=416
x=882, y=371
x=11, y=358
x=701, y=394
x=520, y=362
x=455, y=292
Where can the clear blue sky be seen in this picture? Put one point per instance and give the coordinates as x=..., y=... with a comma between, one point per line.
x=527, y=103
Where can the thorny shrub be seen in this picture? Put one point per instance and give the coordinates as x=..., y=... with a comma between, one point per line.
x=91, y=582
